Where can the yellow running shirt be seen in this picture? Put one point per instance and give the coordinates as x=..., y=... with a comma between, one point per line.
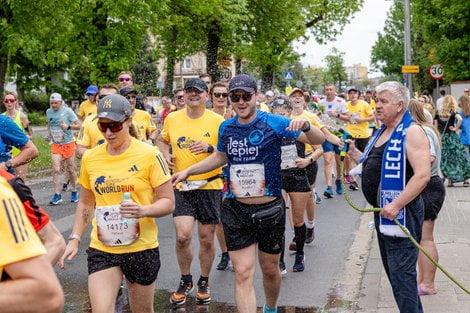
x=313, y=120
x=87, y=108
x=138, y=171
x=179, y=131
x=144, y=122
x=18, y=240
x=361, y=109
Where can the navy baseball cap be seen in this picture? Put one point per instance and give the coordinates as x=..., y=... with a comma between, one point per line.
x=197, y=83
x=127, y=90
x=243, y=82
x=91, y=90
x=114, y=107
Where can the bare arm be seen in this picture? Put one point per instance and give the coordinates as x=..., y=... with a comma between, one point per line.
x=80, y=151
x=28, y=153
x=53, y=241
x=165, y=150
x=164, y=205
x=330, y=137
x=83, y=216
x=458, y=125
x=25, y=122
x=313, y=137
x=215, y=160
x=34, y=287
x=418, y=155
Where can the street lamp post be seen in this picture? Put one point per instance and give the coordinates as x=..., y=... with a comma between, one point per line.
x=408, y=44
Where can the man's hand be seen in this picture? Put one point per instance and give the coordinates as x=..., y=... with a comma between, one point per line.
x=179, y=177
x=390, y=211
x=70, y=252
x=298, y=124
x=303, y=162
x=170, y=158
x=63, y=126
x=198, y=147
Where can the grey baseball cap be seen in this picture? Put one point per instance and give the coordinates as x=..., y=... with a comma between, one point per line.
x=114, y=107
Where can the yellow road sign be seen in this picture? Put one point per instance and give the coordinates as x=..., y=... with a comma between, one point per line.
x=410, y=69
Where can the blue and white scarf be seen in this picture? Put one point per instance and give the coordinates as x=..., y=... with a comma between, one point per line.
x=393, y=174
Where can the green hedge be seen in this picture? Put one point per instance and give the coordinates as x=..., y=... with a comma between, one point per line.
x=37, y=118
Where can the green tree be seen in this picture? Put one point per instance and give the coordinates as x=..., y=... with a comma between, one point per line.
x=388, y=50
x=316, y=75
x=145, y=69
x=272, y=26
x=336, y=72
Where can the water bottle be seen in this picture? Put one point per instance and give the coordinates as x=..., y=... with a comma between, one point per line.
x=125, y=220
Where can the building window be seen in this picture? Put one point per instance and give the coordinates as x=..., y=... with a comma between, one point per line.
x=187, y=64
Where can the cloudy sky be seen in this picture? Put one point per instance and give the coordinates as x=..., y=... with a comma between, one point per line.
x=356, y=40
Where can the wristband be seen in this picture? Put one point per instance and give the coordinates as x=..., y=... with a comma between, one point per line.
x=337, y=115
x=75, y=236
x=306, y=129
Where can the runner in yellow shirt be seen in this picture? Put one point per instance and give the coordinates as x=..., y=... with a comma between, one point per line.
x=27, y=281
x=143, y=119
x=124, y=233
x=88, y=107
x=192, y=134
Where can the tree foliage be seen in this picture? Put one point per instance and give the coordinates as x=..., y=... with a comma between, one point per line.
x=145, y=69
x=440, y=34
x=336, y=72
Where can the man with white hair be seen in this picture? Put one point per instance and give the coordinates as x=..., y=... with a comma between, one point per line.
x=61, y=121
x=395, y=169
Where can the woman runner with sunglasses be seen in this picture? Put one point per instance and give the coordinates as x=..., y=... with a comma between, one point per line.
x=124, y=234
x=21, y=120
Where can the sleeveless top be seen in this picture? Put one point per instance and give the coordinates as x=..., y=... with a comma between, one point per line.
x=17, y=119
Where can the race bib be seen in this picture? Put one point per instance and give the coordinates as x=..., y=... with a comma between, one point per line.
x=188, y=185
x=288, y=156
x=113, y=229
x=57, y=135
x=247, y=180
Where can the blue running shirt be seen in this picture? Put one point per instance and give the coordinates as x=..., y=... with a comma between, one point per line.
x=256, y=143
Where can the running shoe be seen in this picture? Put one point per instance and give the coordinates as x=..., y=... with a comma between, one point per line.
x=328, y=193
x=282, y=268
x=354, y=186
x=348, y=179
x=339, y=188
x=299, y=263
x=292, y=246
x=203, y=295
x=179, y=297
x=310, y=235
x=74, y=196
x=56, y=199
x=267, y=309
x=317, y=198
x=224, y=261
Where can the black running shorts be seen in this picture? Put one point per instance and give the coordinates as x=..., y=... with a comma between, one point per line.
x=433, y=197
x=312, y=170
x=241, y=231
x=203, y=205
x=295, y=183
x=138, y=267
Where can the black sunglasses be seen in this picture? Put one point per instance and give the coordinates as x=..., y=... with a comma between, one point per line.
x=179, y=97
x=114, y=127
x=220, y=94
x=131, y=97
x=245, y=96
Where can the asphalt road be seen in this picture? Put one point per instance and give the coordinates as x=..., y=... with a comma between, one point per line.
x=314, y=290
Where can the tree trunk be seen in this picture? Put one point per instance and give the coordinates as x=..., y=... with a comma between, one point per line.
x=170, y=62
x=238, y=66
x=3, y=72
x=213, y=42
x=267, y=76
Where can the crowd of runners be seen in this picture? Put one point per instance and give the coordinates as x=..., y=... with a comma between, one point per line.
x=234, y=162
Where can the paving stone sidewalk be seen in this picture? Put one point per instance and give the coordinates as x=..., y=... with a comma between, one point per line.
x=452, y=237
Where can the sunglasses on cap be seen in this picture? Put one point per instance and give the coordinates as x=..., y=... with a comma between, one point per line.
x=245, y=96
x=114, y=127
x=220, y=94
x=9, y=100
x=122, y=79
x=131, y=97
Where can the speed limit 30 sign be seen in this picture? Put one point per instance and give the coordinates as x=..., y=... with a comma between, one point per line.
x=436, y=71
